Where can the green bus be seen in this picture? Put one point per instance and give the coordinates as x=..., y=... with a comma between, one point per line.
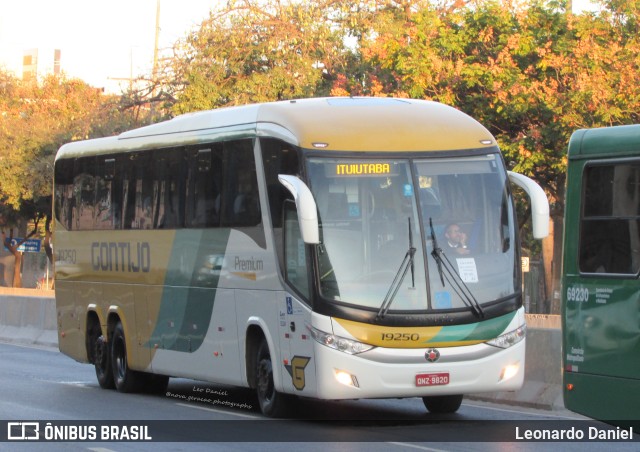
x=601, y=291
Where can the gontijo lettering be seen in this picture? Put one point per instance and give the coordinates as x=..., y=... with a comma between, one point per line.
x=121, y=256
x=355, y=169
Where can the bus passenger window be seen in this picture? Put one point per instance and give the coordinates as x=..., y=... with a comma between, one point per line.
x=241, y=200
x=170, y=181
x=610, y=224
x=144, y=193
x=85, y=191
x=104, y=201
x=64, y=199
x=204, y=180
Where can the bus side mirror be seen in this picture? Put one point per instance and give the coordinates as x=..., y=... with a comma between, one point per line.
x=539, y=204
x=306, y=206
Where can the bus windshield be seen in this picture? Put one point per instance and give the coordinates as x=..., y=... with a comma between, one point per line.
x=376, y=215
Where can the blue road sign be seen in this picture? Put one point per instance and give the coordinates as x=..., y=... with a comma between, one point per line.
x=29, y=246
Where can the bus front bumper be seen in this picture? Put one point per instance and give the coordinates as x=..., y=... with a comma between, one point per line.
x=399, y=373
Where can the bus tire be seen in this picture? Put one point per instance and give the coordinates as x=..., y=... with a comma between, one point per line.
x=272, y=403
x=102, y=363
x=125, y=379
x=443, y=404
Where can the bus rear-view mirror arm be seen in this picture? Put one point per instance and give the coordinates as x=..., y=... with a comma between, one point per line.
x=539, y=204
x=306, y=207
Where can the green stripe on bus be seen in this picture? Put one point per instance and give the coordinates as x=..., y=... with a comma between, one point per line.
x=190, y=288
x=480, y=331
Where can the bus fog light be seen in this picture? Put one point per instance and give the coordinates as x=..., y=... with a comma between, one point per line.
x=509, y=371
x=346, y=378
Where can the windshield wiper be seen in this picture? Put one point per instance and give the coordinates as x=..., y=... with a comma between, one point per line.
x=448, y=272
x=436, y=251
x=407, y=263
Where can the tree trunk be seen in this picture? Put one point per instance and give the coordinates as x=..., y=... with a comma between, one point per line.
x=552, y=248
x=13, y=249
x=17, y=269
x=552, y=255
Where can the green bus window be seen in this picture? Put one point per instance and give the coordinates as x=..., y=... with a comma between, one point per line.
x=610, y=223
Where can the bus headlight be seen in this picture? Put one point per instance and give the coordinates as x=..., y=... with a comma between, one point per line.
x=342, y=344
x=509, y=339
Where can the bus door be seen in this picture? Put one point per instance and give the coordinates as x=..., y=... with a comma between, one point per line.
x=294, y=313
x=296, y=344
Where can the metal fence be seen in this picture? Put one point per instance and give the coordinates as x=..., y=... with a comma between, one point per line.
x=534, y=290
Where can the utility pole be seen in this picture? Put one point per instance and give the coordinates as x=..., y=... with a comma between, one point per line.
x=155, y=47
x=154, y=74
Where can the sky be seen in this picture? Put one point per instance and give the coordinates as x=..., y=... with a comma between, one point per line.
x=100, y=41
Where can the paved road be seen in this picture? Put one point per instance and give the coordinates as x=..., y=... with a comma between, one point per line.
x=40, y=385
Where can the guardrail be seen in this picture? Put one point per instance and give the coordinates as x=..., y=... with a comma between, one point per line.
x=28, y=316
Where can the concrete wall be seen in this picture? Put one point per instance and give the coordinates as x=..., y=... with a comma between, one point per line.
x=29, y=317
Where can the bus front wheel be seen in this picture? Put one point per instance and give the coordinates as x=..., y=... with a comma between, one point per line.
x=125, y=379
x=443, y=404
x=272, y=403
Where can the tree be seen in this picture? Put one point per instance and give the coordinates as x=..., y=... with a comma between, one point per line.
x=254, y=52
x=37, y=118
x=529, y=70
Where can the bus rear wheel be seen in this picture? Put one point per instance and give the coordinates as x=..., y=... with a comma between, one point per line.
x=443, y=404
x=102, y=363
x=272, y=403
x=125, y=379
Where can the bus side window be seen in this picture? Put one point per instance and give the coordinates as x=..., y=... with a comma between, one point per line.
x=241, y=202
x=137, y=193
x=610, y=223
x=170, y=187
x=84, y=189
x=64, y=199
x=296, y=268
x=204, y=179
x=104, y=193
x=278, y=157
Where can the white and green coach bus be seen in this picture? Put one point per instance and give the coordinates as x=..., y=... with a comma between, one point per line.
x=299, y=248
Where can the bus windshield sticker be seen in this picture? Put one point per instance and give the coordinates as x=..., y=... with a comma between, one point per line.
x=467, y=269
x=408, y=190
x=442, y=300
